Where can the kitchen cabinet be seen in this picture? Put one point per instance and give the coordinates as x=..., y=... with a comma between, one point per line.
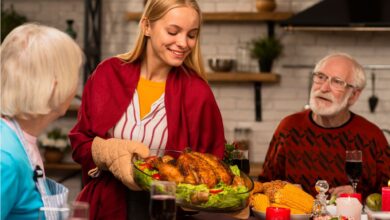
x=269, y=18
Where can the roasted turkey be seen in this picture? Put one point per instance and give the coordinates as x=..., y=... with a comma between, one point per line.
x=193, y=168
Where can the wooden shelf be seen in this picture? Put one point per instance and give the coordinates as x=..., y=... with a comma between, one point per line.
x=243, y=77
x=246, y=16
x=230, y=16
x=62, y=166
x=256, y=78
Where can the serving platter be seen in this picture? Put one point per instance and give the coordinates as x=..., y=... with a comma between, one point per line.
x=229, y=199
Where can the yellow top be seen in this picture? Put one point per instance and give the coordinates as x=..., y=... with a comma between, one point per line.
x=148, y=93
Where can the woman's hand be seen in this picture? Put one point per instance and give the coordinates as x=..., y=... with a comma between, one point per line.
x=341, y=189
x=115, y=155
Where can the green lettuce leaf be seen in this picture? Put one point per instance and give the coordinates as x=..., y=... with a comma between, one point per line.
x=229, y=197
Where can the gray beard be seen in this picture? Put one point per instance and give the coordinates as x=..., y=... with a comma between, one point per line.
x=333, y=110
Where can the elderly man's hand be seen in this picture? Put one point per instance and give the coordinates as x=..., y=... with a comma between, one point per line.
x=341, y=189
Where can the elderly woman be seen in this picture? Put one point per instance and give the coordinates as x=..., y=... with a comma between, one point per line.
x=39, y=77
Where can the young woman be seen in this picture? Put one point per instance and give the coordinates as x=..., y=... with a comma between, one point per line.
x=154, y=96
x=39, y=76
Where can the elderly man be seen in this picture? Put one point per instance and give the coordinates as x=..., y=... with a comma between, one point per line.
x=311, y=145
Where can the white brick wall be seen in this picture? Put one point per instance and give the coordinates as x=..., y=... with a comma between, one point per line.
x=236, y=100
x=53, y=13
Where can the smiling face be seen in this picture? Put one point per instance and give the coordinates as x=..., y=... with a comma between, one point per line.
x=172, y=38
x=327, y=101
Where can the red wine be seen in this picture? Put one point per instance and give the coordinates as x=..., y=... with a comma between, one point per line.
x=354, y=169
x=243, y=164
x=162, y=207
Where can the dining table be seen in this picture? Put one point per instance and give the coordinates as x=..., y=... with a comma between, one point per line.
x=210, y=216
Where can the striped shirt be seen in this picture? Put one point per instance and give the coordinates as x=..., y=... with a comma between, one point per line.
x=151, y=130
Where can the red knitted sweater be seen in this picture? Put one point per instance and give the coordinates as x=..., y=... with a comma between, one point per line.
x=302, y=152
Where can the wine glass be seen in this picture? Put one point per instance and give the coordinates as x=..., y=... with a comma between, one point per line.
x=353, y=166
x=162, y=200
x=241, y=159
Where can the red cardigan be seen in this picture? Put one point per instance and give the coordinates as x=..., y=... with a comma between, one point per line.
x=303, y=152
x=193, y=119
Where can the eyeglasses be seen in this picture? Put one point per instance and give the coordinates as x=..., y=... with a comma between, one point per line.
x=335, y=82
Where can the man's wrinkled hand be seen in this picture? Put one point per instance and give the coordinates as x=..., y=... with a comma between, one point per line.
x=341, y=189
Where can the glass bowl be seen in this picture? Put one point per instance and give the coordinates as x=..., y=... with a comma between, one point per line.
x=221, y=64
x=221, y=198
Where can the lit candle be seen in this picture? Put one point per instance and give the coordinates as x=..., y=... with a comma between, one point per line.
x=358, y=196
x=385, y=198
x=276, y=213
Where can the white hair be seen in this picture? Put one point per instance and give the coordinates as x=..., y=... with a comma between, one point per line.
x=357, y=69
x=39, y=70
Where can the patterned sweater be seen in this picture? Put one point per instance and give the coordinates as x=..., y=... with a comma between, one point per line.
x=302, y=152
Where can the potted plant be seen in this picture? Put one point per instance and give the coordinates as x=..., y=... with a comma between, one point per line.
x=55, y=144
x=266, y=50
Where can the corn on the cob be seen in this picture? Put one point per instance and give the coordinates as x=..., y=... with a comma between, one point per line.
x=260, y=202
x=294, y=197
x=292, y=210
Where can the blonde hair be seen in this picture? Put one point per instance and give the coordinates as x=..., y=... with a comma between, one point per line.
x=155, y=10
x=357, y=69
x=39, y=70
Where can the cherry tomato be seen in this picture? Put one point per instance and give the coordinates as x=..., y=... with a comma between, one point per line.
x=215, y=191
x=144, y=166
x=156, y=176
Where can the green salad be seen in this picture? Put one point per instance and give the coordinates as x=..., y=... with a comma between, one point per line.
x=221, y=196
x=144, y=181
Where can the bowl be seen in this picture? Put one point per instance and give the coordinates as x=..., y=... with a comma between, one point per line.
x=221, y=198
x=377, y=214
x=221, y=64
